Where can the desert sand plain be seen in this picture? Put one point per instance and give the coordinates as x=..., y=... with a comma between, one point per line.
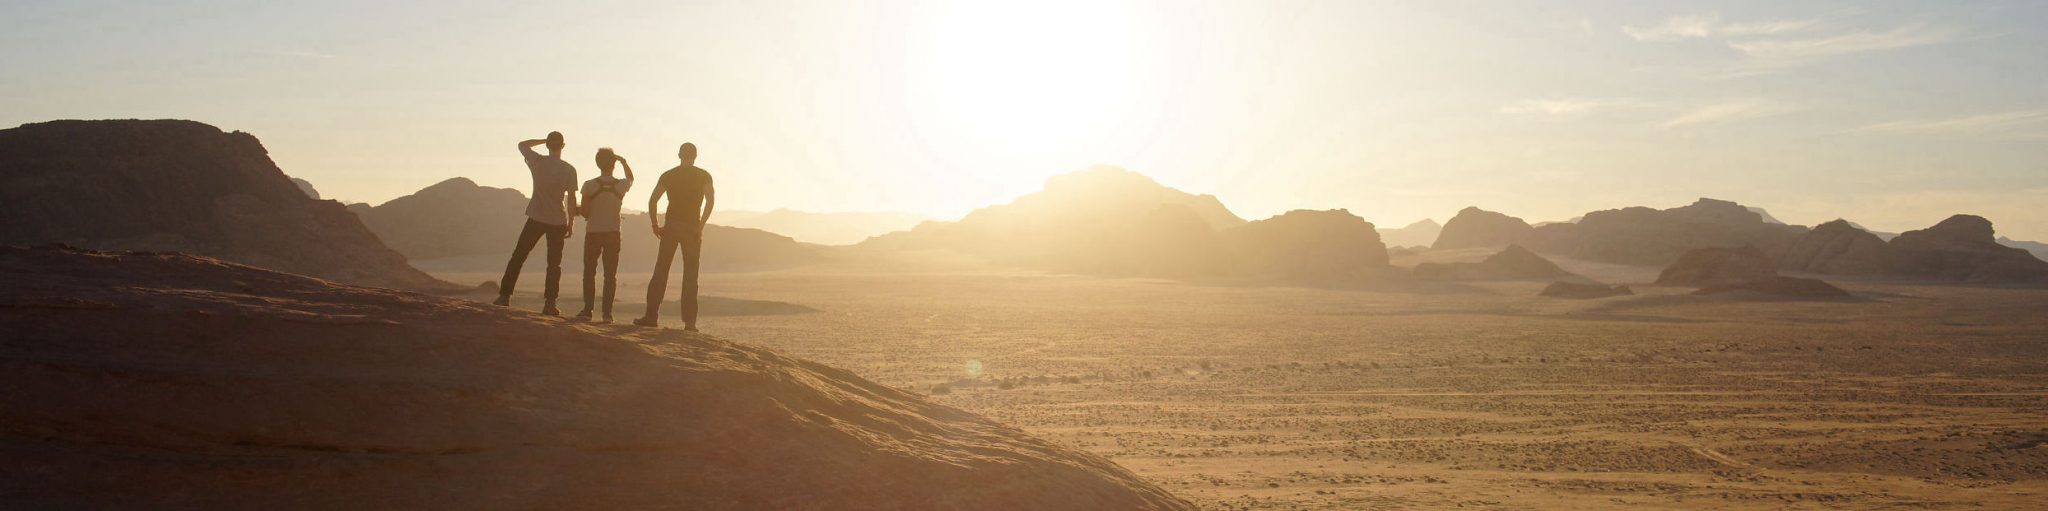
x=1454, y=395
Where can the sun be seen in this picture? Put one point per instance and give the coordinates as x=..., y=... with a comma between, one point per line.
x=1016, y=79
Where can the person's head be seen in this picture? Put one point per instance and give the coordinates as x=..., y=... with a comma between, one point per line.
x=687, y=153
x=605, y=159
x=554, y=143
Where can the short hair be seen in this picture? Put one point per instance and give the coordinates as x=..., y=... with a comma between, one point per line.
x=605, y=157
x=687, y=152
x=555, y=138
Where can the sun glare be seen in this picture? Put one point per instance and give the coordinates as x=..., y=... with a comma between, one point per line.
x=1014, y=79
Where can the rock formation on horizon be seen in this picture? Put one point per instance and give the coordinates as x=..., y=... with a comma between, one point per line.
x=1114, y=222
x=821, y=228
x=458, y=225
x=173, y=381
x=1512, y=263
x=307, y=186
x=1479, y=228
x=1651, y=237
x=1583, y=290
x=172, y=185
x=1720, y=270
x=1964, y=248
x=1419, y=234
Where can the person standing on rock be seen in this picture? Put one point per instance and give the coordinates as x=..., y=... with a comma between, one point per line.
x=547, y=216
x=602, y=196
x=688, y=189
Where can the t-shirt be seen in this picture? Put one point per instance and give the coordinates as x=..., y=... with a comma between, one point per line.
x=685, y=186
x=553, y=179
x=602, y=196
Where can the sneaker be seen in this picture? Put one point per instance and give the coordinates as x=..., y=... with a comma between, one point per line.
x=581, y=316
x=551, y=310
x=607, y=319
x=689, y=328
x=503, y=300
x=647, y=322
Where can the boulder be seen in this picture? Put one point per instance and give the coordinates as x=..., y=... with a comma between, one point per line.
x=1478, y=228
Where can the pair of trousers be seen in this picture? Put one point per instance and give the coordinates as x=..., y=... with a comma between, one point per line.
x=692, y=247
x=600, y=247
x=533, y=232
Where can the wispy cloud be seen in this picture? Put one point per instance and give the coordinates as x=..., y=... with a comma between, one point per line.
x=1728, y=111
x=1972, y=123
x=1859, y=42
x=1568, y=106
x=1702, y=26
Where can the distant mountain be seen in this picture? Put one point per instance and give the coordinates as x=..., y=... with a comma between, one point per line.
x=821, y=228
x=457, y=225
x=1652, y=237
x=1962, y=248
x=307, y=186
x=1512, y=263
x=1418, y=234
x=2039, y=249
x=1765, y=214
x=183, y=186
x=1478, y=228
x=1109, y=221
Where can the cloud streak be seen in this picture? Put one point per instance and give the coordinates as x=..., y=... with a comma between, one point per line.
x=1727, y=111
x=1965, y=124
x=1703, y=26
x=1843, y=44
x=1567, y=106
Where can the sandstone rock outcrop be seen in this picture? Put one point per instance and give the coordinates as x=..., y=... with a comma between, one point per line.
x=1964, y=248
x=170, y=185
x=1419, y=234
x=1777, y=286
x=1718, y=266
x=1309, y=246
x=1478, y=228
x=150, y=381
x=1650, y=237
x=1512, y=263
x=1838, y=248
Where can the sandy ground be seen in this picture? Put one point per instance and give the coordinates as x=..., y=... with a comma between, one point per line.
x=1487, y=397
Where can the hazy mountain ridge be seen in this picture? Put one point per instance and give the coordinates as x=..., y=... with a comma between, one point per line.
x=843, y=228
x=173, y=185
x=457, y=225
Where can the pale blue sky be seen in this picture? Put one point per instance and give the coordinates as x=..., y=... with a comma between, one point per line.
x=1892, y=114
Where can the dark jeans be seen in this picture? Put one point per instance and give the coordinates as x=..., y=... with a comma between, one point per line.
x=692, y=246
x=598, y=245
x=527, y=237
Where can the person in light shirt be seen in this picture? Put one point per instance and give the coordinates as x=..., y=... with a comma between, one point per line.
x=602, y=196
x=547, y=216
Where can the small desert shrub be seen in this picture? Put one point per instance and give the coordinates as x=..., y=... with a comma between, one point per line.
x=942, y=389
x=1006, y=385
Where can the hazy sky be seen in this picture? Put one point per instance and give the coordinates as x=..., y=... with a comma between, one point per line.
x=1892, y=114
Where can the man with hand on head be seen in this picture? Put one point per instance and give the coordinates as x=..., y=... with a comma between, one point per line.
x=688, y=188
x=602, y=196
x=547, y=216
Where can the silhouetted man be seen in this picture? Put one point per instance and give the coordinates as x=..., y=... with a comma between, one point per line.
x=602, y=196
x=547, y=215
x=688, y=188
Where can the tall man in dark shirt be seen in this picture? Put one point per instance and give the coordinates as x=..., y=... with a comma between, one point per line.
x=688, y=189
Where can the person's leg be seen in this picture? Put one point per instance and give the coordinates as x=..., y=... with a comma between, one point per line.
x=611, y=271
x=527, y=237
x=554, y=285
x=591, y=246
x=693, y=249
x=665, y=254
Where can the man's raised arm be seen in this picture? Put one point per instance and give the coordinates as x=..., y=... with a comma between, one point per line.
x=526, y=148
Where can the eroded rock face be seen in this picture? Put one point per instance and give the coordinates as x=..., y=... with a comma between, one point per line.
x=1478, y=228
x=1964, y=248
x=1838, y=248
x=1512, y=263
x=1719, y=266
x=170, y=381
x=1306, y=246
x=1651, y=237
x=182, y=186
x=1779, y=287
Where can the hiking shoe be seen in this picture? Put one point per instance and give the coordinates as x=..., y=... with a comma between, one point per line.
x=503, y=300
x=647, y=322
